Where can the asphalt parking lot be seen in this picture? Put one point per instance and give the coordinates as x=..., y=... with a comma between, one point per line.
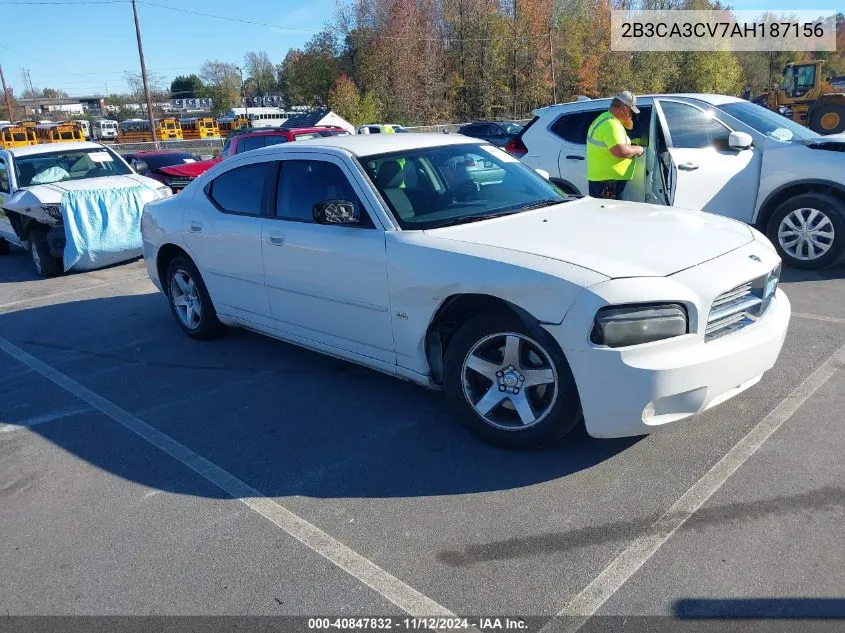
x=145, y=473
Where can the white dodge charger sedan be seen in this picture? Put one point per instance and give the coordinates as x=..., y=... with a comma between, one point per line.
x=445, y=261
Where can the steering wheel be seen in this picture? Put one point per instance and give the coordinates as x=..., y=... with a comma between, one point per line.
x=466, y=191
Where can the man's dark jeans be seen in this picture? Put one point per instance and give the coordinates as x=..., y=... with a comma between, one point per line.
x=608, y=189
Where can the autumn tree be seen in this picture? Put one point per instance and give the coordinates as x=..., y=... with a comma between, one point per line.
x=260, y=72
x=222, y=83
x=346, y=100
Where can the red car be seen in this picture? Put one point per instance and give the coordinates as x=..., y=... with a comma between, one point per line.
x=177, y=177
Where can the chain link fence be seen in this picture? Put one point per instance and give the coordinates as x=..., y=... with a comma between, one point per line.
x=207, y=146
x=202, y=147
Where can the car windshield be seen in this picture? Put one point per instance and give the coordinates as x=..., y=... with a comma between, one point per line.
x=157, y=161
x=772, y=124
x=439, y=186
x=512, y=128
x=42, y=169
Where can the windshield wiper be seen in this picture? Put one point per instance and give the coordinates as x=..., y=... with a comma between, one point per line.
x=466, y=219
x=540, y=204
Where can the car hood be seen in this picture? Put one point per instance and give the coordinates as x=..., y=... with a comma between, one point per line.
x=52, y=193
x=190, y=170
x=834, y=142
x=616, y=239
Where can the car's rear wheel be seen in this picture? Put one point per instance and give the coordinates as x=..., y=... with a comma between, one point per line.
x=808, y=230
x=189, y=300
x=45, y=264
x=511, y=382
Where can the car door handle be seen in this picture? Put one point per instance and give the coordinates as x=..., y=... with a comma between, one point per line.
x=573, y=157
x=276, y=239
x=688, y=166
x=196, y=226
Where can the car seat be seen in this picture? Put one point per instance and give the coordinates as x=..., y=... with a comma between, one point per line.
x=389, y=180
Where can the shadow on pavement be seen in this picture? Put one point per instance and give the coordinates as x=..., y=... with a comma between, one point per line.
x=284, y=420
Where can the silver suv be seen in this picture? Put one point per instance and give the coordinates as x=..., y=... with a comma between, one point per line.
x=718, y=154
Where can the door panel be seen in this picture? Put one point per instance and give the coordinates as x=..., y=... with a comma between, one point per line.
x=226, y=246
x=705, y=173
x=326, y=283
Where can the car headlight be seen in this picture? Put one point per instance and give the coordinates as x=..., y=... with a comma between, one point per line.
x=619, y=326
x=163, y=192
x=53, y=210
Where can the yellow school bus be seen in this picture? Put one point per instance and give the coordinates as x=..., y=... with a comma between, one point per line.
x=17, y=136
x=59, y=133
x=200, y=127
x=32, y=124
x=229, y=124
x=138, y=130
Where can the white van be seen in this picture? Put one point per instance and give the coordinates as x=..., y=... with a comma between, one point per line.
x=104, y=129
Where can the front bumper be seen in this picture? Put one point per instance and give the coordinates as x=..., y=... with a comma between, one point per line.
x=633, y=391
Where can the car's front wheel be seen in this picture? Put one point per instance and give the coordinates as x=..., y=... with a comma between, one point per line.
x=189, y=300
x=808, y=230
x=45, y=264
x=510, y=382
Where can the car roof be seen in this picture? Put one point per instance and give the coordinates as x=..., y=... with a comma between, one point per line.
x=49, y=148
x=368, y=145
x=710, y=99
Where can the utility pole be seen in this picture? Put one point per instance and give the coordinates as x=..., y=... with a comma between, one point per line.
x=243, y=92
x=6, y=93
x=144, y=76
x=552, y=63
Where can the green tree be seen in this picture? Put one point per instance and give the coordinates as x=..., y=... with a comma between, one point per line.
x=346, y=100
x=306, y=76
x=187, y=87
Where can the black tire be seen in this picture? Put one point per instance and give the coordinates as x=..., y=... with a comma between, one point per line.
x=827, y=112
x=831, y=207
x=563, y=412
x=4, y=247
x=207, y=326
x=45, y=264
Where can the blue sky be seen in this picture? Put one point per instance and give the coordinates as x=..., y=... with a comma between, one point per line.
x=86, y=48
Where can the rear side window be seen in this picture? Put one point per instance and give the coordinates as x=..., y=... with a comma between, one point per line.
x=242, y=190
x=4, y=178
x=573, y=127
x=248, y=143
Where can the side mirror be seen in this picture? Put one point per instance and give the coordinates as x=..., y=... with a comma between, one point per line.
x=335, y=212
x=740, y=141
x=141, y=168
x=544, y=173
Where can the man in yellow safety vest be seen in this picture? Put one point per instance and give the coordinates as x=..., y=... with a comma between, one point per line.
x=610, y=153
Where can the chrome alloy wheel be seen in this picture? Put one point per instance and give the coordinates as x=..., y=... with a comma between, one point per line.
x=510, y=381
x=185, y=298
x=806, y=234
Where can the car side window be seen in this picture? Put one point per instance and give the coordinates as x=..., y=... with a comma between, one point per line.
x=304, y=183
x=573, y=127
x=242, y=190
x=690, y=127
x=4, y=178
x=248, y=143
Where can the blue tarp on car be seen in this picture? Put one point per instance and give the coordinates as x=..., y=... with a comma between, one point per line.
x=102, y=226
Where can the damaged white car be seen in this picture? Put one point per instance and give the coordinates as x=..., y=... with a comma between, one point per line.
x=72, y=205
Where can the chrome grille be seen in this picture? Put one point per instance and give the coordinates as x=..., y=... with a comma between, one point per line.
x=177, y=183
x=741, y=306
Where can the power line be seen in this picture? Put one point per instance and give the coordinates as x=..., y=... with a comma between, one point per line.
x=230, y=19
x=35, y=3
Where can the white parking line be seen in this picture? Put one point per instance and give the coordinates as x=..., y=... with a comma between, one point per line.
x=403, y=596
x=40, y=419
x=818, y=317
x=626, y=564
